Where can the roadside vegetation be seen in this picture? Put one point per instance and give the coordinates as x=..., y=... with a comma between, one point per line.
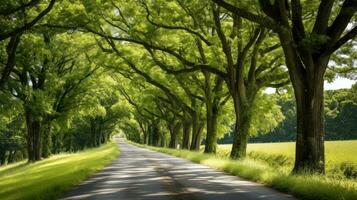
x=341, y=159
x=271, y=173
x=50, y=178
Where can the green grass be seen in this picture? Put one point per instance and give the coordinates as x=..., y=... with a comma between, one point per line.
x=49, y=178
x=309, y=187
x=341, y=156
x=336, y=151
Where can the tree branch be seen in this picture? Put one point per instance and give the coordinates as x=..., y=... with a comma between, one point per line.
x=23, y=6
x=263, y=21
x=30, y=24
x=174, y=27
x=348, y=36
x=323, y=16
x=11, y=52
x=340, y=23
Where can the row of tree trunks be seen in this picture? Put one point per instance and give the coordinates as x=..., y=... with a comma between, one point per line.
x=7, y=157
x=192, y=128
x=98, y=136
x=105, y=137
x=11, y=157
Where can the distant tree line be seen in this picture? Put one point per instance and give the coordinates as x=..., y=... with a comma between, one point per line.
x=340, y=118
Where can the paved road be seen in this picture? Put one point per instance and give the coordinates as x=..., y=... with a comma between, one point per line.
x=143, y=174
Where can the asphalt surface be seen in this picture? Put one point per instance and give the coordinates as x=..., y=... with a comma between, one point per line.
x=144, y=174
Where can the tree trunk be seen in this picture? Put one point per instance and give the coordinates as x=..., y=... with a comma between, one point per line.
x=186, y=124
x=145, y=135
x=150, y=136
x=197, y=127
x=194, y=131
x=34, y=137
x=109, y=137
x=146, y=138
x=174, y=130
x=2, y=156
x=104, y=138
x=308, y=84
x=241, y=129
x=57, y=143
x=309, y=154
x=11, y=59
x=11, y=157
x=162, y=141
x=100, y=131
x=96, y=132
x=155, y=135
x=47, y=141
x=173, y=136
x=211, y=136
x=92, y=133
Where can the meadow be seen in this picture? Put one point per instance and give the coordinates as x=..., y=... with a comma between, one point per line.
x=271, y=164
x=340, y=156
x=49, y=178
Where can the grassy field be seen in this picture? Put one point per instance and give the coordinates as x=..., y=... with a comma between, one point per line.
x=336, y=151
x=260, y=167
x=49, y=178
x=341, y=156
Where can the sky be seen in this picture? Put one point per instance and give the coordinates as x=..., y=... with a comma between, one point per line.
x=338, y=83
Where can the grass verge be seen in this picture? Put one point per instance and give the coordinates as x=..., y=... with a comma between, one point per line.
x=50, y=178
x=340, y=156
x=309, y=187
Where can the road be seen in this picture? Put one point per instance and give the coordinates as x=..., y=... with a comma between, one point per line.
x=144, y=174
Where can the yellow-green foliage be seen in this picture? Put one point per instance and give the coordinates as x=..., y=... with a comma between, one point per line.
x=309, y=187
x=338, y=155
x=49, y=178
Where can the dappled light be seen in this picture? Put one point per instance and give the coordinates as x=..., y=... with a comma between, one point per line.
x=144, y=174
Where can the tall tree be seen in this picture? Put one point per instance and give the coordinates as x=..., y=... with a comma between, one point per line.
x=308, y=46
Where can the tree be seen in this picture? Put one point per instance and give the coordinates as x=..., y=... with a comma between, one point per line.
x=308, y=46
x=13, y=24
x=49, y=80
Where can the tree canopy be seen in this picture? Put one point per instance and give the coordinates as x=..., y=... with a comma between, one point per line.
x=172, y=73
